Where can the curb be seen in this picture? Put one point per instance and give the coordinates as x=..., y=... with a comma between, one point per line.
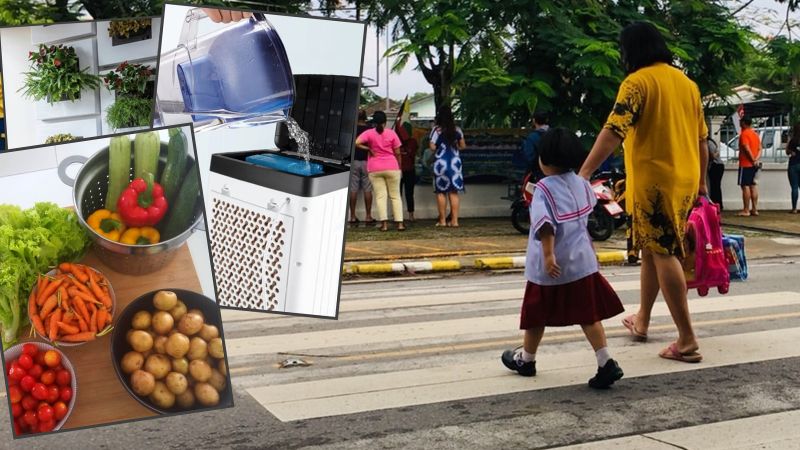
x=412, y=266
x=500, y=262
x=615, y=257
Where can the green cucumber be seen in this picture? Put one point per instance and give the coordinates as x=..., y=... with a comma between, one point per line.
x=177, y=152
x=180, y=213
x=146, y=149
x=119, y=169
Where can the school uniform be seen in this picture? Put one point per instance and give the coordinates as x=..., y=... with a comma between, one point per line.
x=580, y=294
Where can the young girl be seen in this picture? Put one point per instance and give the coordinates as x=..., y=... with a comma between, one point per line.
x=564, y=283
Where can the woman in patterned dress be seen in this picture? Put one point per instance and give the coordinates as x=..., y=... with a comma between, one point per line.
x=659, y=116
x=446, y=141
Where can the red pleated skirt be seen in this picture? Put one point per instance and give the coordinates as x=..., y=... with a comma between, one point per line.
x=582, y=302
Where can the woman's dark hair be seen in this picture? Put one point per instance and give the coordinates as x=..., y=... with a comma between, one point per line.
x=447, y=124
x=642, y=45
x=561, y=148
x=379, y=119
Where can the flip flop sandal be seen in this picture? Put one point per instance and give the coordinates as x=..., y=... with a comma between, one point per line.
x=672, y=352
x=630, y=323
x=353, y=223
x=742, y=215
x=754, y=213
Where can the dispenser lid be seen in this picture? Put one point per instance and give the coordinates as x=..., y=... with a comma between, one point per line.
x=325, y=106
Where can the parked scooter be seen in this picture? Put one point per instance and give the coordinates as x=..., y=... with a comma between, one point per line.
x=608, y=214
x=521, y=196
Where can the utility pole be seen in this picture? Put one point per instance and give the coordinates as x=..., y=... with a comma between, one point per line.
x=387, y=70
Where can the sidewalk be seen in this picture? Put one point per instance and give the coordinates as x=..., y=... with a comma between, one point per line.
x=492, y=243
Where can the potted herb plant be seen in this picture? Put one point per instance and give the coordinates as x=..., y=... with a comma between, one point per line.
x=124, y=32
x=61, y=137
x=133, y=90
x=56, y=75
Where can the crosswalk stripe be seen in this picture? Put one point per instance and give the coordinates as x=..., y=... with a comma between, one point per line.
x=476, y=326
x=417, y=300
x=339, y=396
x=778, y=430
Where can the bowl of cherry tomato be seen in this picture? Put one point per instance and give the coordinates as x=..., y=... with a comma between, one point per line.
x=41, y=387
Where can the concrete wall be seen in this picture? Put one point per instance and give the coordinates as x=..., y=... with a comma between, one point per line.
x=484, y=200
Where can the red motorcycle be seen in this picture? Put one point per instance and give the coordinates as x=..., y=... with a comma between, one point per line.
x=608, y=214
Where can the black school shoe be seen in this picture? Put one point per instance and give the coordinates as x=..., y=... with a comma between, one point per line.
x=526, y=369
x=606, y=375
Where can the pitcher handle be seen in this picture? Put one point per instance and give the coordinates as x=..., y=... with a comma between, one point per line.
x=68, y=161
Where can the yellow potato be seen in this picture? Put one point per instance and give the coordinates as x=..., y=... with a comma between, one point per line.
x=222, y=367
x=198, y=349
x=176, y=383
x=178, y=311
x=161, y=396
x=217, y=380
x=158, y=365
x=141, y=341
x=199, y=370
x=215, y=348
x=177, y=345
x=165, y=300
x=206, y=394
x=141, y=320
x=185, y=400
x=160, y=345
x=190, y=324
x=131, y=362
x=163, y=322
x=143, y=383
x=180, y=365
x=209, y=332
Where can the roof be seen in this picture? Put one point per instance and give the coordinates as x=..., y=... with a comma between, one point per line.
x=394, y=107
x=757, y=102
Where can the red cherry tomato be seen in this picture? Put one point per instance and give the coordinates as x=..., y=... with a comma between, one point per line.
x=39, y=391
x=45, y=413
x=30, y=349
x=30, y=418
x=29, y=403
x=15, y=394
x=16, y=371
x=52, y=394
x=63, y=378
x=26, y=361
x=12, y=382
x=16, y=410
x=36, y=371
x=47, y=425
x=39, y=358
x=52, y=358
x=17, y=428
x=65, y=394
x=27, y=383
x=60, y=409
x=48, y=377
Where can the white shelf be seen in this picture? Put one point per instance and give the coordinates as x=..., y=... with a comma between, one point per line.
x=84, y=128
x=46, y=34
x=135, y=51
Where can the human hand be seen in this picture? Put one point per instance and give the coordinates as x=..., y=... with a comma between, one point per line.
x=552, y=266
x=225, y=15
x=703, y=190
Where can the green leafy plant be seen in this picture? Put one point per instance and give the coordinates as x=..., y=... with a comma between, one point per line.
x=127, y=28
x=129, y=79
x=61, y=137
x=129, y=112
x=56, y=75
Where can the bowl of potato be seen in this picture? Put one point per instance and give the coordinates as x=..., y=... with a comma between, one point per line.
x=169, y=354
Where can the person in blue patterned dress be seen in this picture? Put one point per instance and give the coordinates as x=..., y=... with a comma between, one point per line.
x=446, y=142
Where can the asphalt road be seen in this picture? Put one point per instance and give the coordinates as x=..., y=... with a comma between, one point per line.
x=414, y=363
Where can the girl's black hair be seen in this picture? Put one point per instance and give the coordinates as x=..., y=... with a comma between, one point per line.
x=447, y=124
x=379, y=118
x=642, y=45
x=561, y=148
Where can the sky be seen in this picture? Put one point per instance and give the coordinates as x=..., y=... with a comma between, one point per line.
x=410, y=81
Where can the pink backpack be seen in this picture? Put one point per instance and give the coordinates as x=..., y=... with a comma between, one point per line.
x=705, y=265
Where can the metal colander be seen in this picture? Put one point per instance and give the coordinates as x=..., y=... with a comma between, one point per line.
x=89, y=189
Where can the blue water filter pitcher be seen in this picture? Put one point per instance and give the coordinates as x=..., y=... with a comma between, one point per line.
x=237, y=73
x=286, y=164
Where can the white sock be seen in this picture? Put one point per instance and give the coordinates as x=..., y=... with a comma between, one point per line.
x=602, y=356
x=527, y=357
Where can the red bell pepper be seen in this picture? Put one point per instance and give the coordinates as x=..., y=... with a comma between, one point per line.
x=142, y=203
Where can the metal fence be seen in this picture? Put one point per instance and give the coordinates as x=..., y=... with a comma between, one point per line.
x=774, y=134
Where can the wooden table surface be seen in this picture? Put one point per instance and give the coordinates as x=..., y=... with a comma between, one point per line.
x=102, y=398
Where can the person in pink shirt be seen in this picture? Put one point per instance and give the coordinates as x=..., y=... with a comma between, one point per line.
x=383, y=167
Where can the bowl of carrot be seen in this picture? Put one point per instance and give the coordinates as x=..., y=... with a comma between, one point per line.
x=71, y=305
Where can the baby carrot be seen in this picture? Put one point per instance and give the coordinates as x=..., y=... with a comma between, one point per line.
x=93, y=319
x=68, y=317
x=55, y=318
x=49, y=290
x=39, y=300
x=97, y=291
x=68, y=329
x=49, y=305
x=79, y=337
x=34, y=316
x=101, y=318
x=77, y=270
x=83, y=296
x=82, y=324
x=32, y=310
x=83, y=314
x=39, y=281
x=82, y=288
